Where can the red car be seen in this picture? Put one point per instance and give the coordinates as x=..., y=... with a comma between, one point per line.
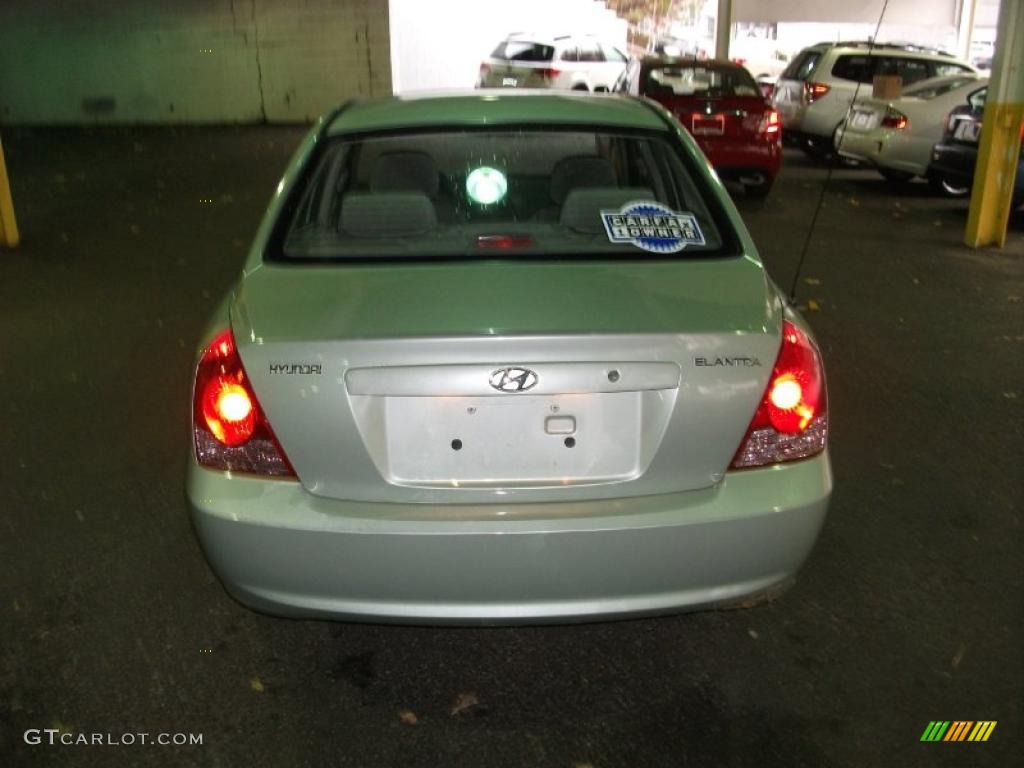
x=721, y=105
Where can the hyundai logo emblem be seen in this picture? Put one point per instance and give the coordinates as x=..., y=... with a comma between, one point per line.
x=513, y=379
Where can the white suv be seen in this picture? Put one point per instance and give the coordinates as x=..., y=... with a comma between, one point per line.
x=815, y=91
x=574, y=62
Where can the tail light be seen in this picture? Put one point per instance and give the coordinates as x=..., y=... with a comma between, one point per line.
x=814, y=91
x=770, y=124
x=485, y=69
x=894, y=119
x=791, y=421
x=229, y=429
x=549, y=73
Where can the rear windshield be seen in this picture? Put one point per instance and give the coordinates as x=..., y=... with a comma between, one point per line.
x=490, y=193
x=699, y=80
x=930, y=89
x=521, y=50
x=802, y=66
x=861, y=68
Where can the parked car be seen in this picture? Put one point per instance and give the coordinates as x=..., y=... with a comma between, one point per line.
x=504, y=358
x=568, y=62
x=954, y=158
x=816, y=90
x=719, y=103
x=896, y=136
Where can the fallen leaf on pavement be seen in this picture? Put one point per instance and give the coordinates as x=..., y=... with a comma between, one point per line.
x=959, y=655
x=257, y=685
x=407, y=716
x=465, y=702
x=812, y=281
x=813, y=306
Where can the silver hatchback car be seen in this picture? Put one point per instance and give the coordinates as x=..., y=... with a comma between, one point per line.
x=504, y=358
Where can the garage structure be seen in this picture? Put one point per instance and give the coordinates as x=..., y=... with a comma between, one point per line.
x=147, y=61
x=222, y=61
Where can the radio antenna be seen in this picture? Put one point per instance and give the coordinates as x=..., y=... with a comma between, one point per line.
x=828, y=173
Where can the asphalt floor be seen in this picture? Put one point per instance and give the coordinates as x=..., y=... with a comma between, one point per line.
x=909, y=610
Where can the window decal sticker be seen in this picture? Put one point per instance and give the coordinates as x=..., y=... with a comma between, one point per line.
x=652, y=226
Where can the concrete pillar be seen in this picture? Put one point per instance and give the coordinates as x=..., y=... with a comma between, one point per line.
x=999, y=150
x=723, y=25
x=965, y=29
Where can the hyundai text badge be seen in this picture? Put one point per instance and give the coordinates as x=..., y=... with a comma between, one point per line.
x=513, y=379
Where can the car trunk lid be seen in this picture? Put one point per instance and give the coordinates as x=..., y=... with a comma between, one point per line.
x=709, y=120
x=475, y=382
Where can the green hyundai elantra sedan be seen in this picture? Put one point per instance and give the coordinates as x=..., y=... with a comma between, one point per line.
x=504, y=357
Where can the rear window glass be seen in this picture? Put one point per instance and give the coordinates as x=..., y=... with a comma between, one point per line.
x=945, y=68
x=910, y=70
x=521, y=50
x=855, y=68
x=977, y=100
x=701, y=81
x=930, y=89
x=490, y=193
x=801, y=67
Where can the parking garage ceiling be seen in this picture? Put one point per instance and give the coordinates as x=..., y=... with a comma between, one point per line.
x=931, y=12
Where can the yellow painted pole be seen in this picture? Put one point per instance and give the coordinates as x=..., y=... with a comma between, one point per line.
x=8, y=226
x=999, y=150
x=995, y=174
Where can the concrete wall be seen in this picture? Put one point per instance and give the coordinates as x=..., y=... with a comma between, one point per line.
x=191, y=61
x=440, y=43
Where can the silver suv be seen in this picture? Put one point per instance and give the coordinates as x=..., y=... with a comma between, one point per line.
x=817, y=88
x=572, y=62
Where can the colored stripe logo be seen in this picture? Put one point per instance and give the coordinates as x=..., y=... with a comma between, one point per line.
x=958, y=730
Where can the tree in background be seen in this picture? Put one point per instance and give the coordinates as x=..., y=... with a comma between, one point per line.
x=651, y=20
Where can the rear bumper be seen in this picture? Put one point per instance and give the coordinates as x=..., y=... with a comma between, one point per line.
x=733, y=160
x=859, y=146
x=954, y=163
x=807, y=141
x=279, y=549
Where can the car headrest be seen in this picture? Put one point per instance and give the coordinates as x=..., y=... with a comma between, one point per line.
x=387, y=214
x=405, y=172
x=582, y=208
x=581, y=171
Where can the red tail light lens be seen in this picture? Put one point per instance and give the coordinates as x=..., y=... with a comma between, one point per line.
x=549, y=73
x=814, y=91
x=229, y=429
x=895, y=119
x=770, y=124
x=791, y=421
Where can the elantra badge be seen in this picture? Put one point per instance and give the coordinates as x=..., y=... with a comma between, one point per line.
x=513, y=379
